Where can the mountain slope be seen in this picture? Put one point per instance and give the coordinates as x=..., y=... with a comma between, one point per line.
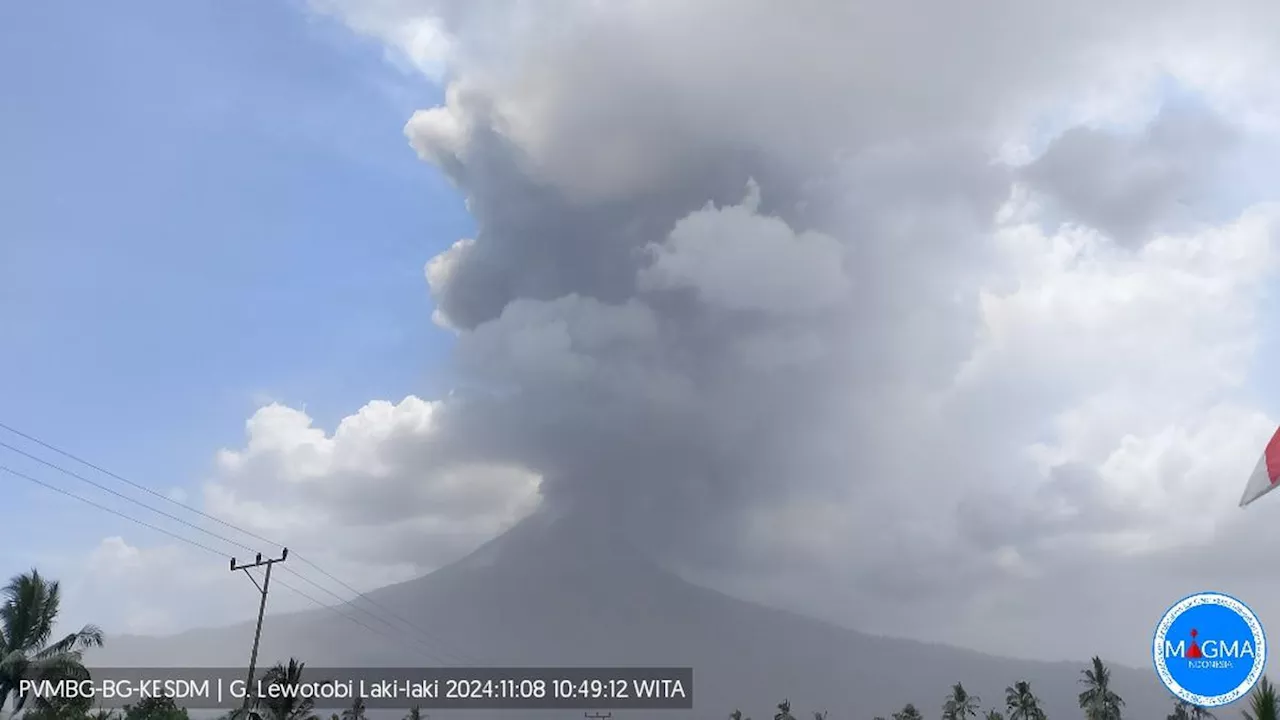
x=560, y=591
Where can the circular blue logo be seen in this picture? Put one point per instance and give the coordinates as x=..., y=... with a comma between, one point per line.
x=1209, y=649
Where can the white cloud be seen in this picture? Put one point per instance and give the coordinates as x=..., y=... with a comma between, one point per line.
x=415, y=38
x=134, y=589
x=439, y=272
x=1102, y=418
x=370, y=503
x=378, y=478
x=738, y=259
x=1178, y=314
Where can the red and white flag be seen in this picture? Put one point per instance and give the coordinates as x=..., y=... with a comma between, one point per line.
x=1266, y=476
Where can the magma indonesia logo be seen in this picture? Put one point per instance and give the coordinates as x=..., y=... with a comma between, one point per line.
x=1209, y=649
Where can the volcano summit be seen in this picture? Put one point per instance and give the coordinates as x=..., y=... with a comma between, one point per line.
x=565, y=591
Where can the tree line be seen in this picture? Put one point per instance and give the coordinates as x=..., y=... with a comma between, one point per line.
x=1098, y=701
x=29, y=606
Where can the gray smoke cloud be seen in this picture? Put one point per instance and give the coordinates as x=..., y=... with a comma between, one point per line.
x=713, y=242
x=751, y=277
x=1132, y=187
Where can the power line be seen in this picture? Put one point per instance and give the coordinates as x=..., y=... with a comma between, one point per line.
x=410, y=625
x=124, y=497
x=371, y=601
x=343, y=615
x=117, y=513
x=177, y=519
x=423, y=634
x=344, y=601
x=263, y=589
x=195, y=544
x=130, y=483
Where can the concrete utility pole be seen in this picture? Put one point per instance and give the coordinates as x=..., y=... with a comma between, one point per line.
x=262, y=606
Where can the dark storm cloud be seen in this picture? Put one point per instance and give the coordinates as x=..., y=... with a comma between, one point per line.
x=1131, y=186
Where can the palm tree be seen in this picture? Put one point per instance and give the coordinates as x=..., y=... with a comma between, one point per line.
x=1098, y=701
x=737, y=715
x=27, y=617
x=819, y=715
x=1199, y=713
x=58, y=709
x=415, y=713
x=1183, y=710
x=1022, y=703
x=993, y=715
x=287, y=706
x=356, y=711
x=160, y=707
x=784, y=711
x=960, y=705
x=1263, y=703
x=909, y=712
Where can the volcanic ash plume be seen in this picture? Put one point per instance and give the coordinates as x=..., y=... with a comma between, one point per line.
x=819, y=286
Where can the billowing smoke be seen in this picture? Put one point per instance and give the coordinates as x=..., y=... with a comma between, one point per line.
x=913, y=296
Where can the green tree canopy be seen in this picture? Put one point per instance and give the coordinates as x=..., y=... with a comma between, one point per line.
x=287, y=706
x=960, y=705
x=1183, y=710
x=1098, y=700
x=1263, y=703
x=159, y=708
x=1021, y=703
x=58, y=709
x=356, y=711
x=908, y=712
x=28, y=612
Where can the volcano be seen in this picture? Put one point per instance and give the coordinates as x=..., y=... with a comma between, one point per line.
x=565, y=591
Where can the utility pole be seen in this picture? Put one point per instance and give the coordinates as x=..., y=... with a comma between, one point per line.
x=262, y=607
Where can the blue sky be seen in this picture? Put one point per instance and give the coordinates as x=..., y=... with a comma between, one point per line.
x=202, y=204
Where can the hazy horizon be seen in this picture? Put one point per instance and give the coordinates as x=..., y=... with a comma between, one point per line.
x=354, y=606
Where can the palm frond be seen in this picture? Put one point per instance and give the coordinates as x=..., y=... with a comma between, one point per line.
x=28, y=611
x=89, y=636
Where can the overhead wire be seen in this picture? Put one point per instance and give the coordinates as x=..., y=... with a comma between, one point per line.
x=131, y=483
x=124, y=497
x=104, y=508
x=178, y=503
x=424, y=638
x=206, y=548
